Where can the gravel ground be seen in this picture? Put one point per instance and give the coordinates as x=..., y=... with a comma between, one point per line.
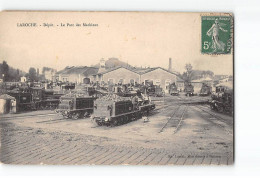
x=181, y=131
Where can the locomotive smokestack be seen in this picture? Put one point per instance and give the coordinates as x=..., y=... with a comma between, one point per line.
x=170, y=64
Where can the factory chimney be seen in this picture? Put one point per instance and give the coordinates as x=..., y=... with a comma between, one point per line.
x=170, y=64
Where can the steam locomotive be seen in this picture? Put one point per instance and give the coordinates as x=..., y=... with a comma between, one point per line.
x=189, y=90
x=222, y=100
x=34, y=98
x=173, y=90
x=114, y=110
x=205, y=90
x=152, y=90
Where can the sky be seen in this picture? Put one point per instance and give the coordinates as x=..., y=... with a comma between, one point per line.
x=141, y=39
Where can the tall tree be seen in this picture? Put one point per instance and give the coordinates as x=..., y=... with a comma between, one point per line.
x=187, y=75
x=32, y=74
x=4, y=70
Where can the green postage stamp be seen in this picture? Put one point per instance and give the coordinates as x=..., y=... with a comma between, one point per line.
x=216, y=34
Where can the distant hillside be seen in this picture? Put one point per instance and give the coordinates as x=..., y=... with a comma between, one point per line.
x=114, y=62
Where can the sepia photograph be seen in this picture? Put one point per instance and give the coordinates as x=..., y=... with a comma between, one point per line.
x=116, y=88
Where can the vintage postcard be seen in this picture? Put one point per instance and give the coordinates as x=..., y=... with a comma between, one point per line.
x=116, y=88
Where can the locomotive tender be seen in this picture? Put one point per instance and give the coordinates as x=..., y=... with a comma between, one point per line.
x=76, y=106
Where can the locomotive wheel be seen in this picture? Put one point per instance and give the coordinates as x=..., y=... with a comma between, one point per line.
x=121, y=120
x=212, y=106
x=147, y=112
x=114, y=122
x=132, y=117
x=52, y=107
x=75, y=115
x=86, y=114
x=221, y=109
x=99, y=123
x=69, y=116
x=125, y=120
x=42, y=107
x=66, y=116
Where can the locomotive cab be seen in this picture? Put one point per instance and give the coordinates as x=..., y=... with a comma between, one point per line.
x=102, y=111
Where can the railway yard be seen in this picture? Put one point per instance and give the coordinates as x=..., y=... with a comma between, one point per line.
x=181, y=130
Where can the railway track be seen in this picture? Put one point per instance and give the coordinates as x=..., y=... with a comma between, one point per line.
x=175, y=119
x=225, y=120
x=26, y=116
x=218, y=118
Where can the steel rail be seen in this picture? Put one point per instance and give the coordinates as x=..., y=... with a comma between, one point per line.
x=181, y=118
x=219, y=125
x=170, y=118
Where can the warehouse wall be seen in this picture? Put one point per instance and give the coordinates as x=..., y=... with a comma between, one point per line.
x=159, y=77
x=121, y=73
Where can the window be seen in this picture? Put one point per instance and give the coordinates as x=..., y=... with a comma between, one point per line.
x=148, y=82
x=64, y=79
x=132, y=81
x=157, y=82
x=121, y=81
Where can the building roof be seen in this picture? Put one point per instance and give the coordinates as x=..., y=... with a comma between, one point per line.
x=179, y=79
x=139, y=71
x=90, y=71
x=64, y=70
x=113, y=69
x=228, y=84
x=6, y=96
x=152, y=69
x=83, y=70
x=202, y=80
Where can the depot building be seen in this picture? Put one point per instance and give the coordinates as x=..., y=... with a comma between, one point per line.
x=122, y=75
x=119, y=74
